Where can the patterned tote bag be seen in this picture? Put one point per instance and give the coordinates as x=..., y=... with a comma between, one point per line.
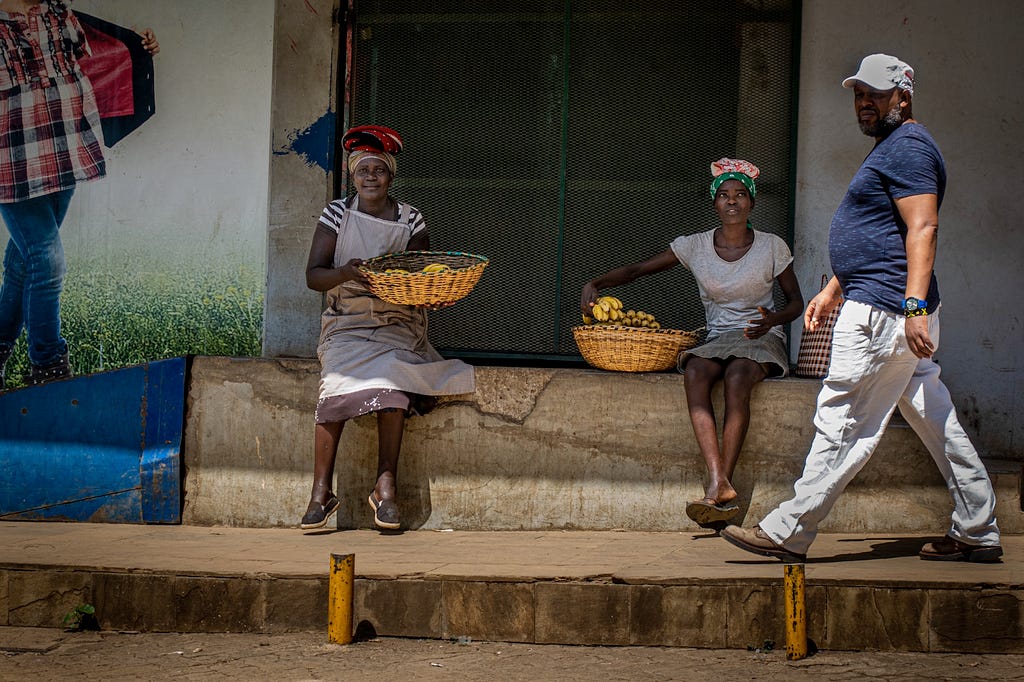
x=816, y=346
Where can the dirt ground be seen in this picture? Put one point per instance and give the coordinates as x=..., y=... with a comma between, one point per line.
x=293, y=657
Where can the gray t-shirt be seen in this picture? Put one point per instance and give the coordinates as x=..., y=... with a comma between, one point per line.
x=732, y=292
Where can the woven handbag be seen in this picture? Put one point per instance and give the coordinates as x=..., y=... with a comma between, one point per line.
x=816, y=346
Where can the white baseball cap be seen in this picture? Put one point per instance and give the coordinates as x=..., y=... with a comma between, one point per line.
x=883, y=72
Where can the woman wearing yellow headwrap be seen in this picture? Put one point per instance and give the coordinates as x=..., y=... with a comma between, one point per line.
x=735, y=267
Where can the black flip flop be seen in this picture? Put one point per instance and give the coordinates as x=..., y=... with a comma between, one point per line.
x=707, y=512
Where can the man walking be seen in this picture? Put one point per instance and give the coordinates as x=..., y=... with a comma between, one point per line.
x=882, y=248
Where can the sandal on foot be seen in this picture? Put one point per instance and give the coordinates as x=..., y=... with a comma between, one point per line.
x=951, y=549
x=385, y=513
x=708, y=511
x=317, y=514
x=716, y=526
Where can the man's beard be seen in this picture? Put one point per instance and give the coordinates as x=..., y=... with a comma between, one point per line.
x=892, y=120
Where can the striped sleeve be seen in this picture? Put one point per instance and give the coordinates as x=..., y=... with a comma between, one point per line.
x=416, y=222
x=333, y=214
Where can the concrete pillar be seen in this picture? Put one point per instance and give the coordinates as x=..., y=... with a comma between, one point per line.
x=306, y=60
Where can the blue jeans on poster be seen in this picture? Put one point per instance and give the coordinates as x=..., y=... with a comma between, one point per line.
x=34, y=276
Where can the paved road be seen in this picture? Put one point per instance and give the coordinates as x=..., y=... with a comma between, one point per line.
x=110, y=656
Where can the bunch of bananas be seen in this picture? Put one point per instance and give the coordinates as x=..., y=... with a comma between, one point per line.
x=608, y=310
x=639, y=318
x=433, y=267
x=436, y=267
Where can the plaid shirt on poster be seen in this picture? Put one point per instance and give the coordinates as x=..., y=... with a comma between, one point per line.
x=50, y=135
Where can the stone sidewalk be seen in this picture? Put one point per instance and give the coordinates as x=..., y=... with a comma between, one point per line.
x=567, y=587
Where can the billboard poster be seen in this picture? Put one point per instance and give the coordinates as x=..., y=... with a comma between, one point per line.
x=165, y=254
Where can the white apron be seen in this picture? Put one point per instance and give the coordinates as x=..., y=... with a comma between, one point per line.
x=367, y=343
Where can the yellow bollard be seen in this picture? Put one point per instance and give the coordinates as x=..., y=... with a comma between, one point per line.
x=339, y=599
x=796, y=613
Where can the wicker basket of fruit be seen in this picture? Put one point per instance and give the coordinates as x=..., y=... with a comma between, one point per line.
x=629, y=341
x=423, y=277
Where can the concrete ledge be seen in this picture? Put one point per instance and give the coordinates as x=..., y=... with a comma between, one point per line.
x=534, y=449
x=724, y=616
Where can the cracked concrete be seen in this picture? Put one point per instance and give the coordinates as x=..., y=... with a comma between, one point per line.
x=532, y=449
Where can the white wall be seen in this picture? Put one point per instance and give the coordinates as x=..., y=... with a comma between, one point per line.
x=969, y=65
x=194, y=179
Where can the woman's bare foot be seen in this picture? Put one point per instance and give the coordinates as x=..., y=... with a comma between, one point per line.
x=721, y=494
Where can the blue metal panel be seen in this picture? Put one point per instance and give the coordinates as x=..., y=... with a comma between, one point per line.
x=160, y=467
x=102, y=447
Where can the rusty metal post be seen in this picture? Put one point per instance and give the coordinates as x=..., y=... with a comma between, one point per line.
x=339, y=600
x=796, y=613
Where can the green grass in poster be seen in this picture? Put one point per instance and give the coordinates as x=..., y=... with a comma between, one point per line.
x=119, y=318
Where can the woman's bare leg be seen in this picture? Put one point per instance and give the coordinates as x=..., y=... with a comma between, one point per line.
x=390, y=427
x=325, y=452
x=741, y=375
x=700, y=377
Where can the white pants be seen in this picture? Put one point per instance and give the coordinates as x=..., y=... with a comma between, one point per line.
x=873, y=370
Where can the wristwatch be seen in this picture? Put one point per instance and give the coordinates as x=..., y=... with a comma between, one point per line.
x=912, y=307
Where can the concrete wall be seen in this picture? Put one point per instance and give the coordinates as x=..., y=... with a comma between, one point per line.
x=968, y=66
x=306, y=54
x=533, y=449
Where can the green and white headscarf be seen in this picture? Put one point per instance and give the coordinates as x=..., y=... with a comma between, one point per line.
x=734, y=169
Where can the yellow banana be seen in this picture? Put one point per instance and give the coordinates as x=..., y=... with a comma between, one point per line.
x=588, y=320
x=436, y=267
x=600, y=314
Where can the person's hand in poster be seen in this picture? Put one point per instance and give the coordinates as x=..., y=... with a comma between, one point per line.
x=149, y=42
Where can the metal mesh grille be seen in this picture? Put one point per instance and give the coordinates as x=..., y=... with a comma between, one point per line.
x=567, y=138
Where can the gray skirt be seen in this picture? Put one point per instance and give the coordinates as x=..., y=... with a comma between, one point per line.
x=769, y=350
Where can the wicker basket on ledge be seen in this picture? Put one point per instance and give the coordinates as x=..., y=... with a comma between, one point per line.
x=632, y=349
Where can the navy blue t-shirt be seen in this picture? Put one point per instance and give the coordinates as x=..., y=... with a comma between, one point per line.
x=867, y=240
